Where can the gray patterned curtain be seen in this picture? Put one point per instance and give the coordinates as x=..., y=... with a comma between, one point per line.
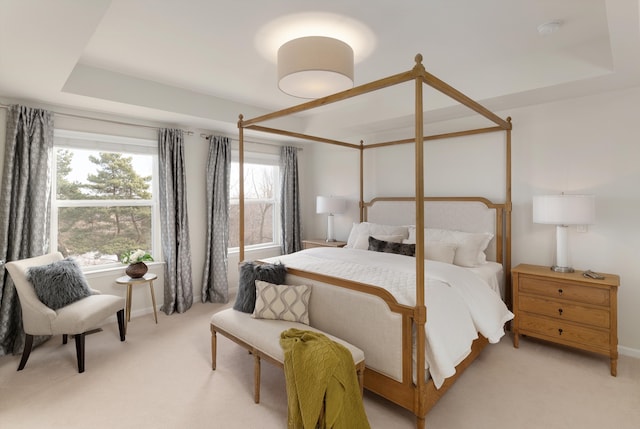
x=178, y=287
x=25, y=206
x=215, y=284
x=290, y=200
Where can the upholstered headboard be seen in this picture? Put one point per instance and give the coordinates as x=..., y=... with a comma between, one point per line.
x=470, y=214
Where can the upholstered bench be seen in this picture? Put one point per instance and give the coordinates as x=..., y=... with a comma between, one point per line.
x=261, y=337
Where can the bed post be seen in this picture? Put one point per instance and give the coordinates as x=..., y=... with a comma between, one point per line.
x=241, y=188
x=507, y=259
x=421, y=309
x=420, y=396
x=361, y=204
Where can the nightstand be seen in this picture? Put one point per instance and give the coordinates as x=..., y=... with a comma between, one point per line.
x=319, y=242
x=567, y=308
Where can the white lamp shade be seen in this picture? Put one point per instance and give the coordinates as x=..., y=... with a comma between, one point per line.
x=314, y=67
x=330, y=205
x=564, y=209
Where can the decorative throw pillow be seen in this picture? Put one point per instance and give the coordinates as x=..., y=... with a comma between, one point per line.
x=249, y=273
x=358, y=237
x=391, y=247
x=59, y=283
x=469, y=245
x=442, y=252
x=438, y=251
x=362, y=242
x=282, y=302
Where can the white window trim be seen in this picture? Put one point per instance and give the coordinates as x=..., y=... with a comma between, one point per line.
x=264, y=159
x=107, y=143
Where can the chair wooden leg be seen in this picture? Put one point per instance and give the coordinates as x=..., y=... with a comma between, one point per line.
x=80, y=351
x=65, y=338
x=214, y=349
x=121, y=325
x=28, y=344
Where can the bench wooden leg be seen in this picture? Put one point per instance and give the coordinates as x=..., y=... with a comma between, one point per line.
x=256, y=378
x=213, y=349
x=360, y=373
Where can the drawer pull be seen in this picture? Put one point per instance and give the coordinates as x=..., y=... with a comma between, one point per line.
x=560, y=312
x=560, y=291
x=560, y=331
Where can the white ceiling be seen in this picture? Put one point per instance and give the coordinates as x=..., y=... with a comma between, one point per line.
x=196, y=63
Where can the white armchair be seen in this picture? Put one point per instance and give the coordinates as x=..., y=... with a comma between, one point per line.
x=77, y=318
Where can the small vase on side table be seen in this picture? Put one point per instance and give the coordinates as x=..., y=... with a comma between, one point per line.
x=137, y=270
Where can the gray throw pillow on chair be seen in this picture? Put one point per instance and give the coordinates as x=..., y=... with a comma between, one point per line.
x=249, y=273
x=59, y=283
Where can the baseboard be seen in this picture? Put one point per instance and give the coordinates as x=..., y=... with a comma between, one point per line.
x=628, y=351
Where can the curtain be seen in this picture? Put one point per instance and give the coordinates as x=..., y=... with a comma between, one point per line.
x=215, y=284
x=176, y=248
x=290, y=200
x=25, y=205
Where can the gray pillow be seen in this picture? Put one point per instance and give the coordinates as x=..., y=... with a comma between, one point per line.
x=59, y=283
x=391, y=247
x=249, y=273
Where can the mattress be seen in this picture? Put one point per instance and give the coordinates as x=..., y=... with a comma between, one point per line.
x=461, y=302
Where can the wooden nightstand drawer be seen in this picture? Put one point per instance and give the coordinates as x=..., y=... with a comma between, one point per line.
x=564, y=332
x=565, y=310
x=564, y=290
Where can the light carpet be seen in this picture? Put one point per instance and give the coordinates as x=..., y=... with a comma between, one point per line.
x=161, y=377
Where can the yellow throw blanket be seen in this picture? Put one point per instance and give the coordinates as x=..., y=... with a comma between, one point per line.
x=319, y=372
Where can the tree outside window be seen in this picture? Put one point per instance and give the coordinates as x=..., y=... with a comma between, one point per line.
x=261, y=224
x=103, y=204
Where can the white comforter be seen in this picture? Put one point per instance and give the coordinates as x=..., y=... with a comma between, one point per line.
x=459, y=302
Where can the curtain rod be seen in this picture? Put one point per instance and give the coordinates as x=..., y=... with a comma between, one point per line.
x=208, y=137
x=111, y=121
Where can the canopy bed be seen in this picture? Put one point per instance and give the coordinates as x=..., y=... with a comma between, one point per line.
x=402, y=366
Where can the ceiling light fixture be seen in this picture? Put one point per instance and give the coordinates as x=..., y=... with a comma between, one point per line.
x=314, y=67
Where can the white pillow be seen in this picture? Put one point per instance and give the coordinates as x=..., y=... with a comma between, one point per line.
x=470, y=246
x=362, y=242
x=353, y=235
x=359, y=235
x=282, y=302
x=443, y=252
x=411, y=229
x=438, y=251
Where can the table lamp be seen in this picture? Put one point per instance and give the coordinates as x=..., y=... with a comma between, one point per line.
x=563, y=210
x=330, y=205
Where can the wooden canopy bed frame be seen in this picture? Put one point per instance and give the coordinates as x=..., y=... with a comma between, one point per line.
x=413, y=393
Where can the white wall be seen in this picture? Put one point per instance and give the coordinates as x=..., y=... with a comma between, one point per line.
x=581, y=145
x=585, y=145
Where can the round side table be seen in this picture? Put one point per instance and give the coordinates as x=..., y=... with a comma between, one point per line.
x=126, y=280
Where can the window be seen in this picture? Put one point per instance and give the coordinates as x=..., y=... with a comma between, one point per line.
x=104, y=197
x=261, y=205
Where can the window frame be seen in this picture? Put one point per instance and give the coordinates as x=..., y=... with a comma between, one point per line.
x=269, y=159
x=68, y=139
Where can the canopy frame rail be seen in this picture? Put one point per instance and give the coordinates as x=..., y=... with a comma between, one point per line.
x=420, y=403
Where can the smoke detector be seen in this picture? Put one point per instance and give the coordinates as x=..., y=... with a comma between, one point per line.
x=549, y=27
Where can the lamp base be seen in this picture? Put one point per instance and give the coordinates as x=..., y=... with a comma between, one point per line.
x=330, y=240
x=330, y=236
x=558, y=269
